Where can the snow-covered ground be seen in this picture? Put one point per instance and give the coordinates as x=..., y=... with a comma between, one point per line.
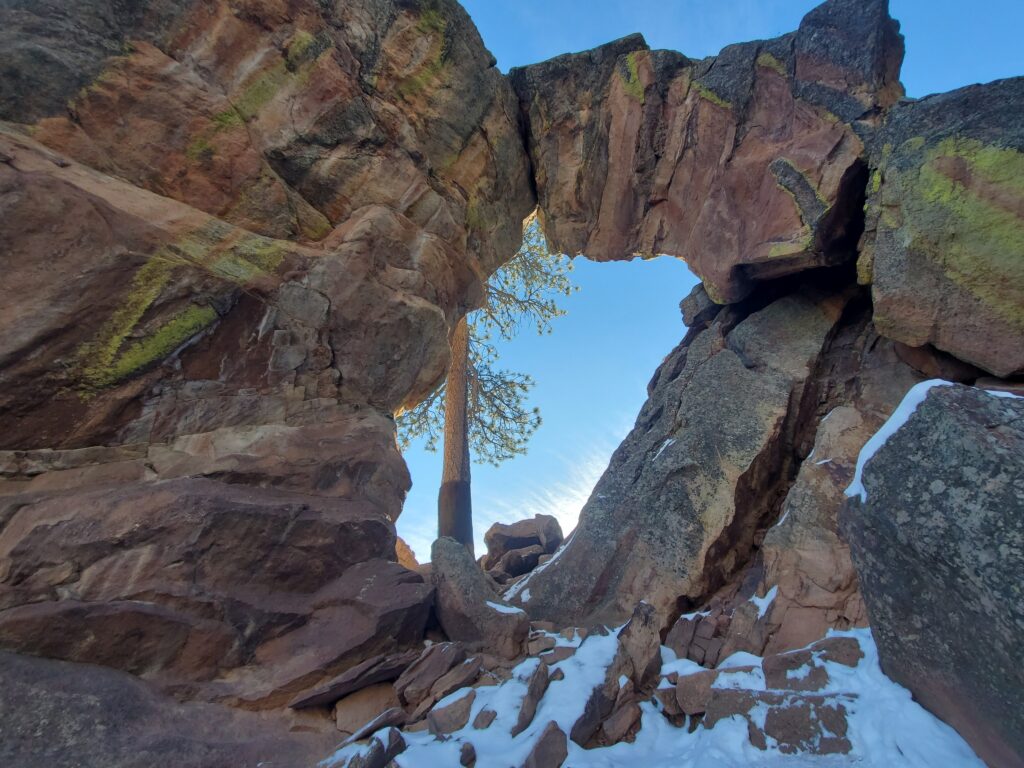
x=886, y=727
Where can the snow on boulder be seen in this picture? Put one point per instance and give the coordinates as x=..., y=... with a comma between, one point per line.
x=935, y=524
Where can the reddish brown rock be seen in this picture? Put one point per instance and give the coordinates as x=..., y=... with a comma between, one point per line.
x=379, y=669
x=221, y=401
x=460, y=676
x=535, y=690
x=639, y=648
x=622, y=724
x=380, y=752
x=557, y=654
x=484, y=719
x=365, y=705
x=386, y=719
x=798, y=724
x=677, y=143
x=693, y=692
x=451, y=717
x=517, y=562
x=404, y=555
x=501, y=539
x=415, y=683
x=550, y=750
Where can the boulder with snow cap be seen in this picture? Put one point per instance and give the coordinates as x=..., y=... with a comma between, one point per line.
x=380, y=752
x=467, y=608
x=935, y=524
x=452, y=716
x=535, y=690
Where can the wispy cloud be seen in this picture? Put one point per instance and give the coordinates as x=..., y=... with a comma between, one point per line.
x=579, y=466
x=563, y=499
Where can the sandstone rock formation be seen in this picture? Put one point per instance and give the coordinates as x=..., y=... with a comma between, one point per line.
x=218, y=301
x=676, y=513
x=937, y=541
x=516, y=549
x=648, y=152
x=237, y=237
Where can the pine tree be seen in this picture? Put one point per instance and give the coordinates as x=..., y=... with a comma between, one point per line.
x=480, y=410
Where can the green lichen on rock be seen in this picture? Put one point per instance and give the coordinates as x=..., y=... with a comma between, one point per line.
x=792, y=247
x=139, y=355
x=199, y=150
x=229, y=118
x=96, y=358
x=631, y=77
x=708, y=95
x=432, y=21
x=122, y=346
x=768, y=61
x=962, y=208
x=251, y=259
x=432, y=25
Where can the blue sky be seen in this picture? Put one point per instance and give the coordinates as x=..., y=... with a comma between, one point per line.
x=592, y=372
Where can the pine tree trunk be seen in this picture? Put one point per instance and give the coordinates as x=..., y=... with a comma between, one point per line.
x=454, y=502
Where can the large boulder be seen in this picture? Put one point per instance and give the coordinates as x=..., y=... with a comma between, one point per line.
x=243, y=232
x=468, y=608
x=946, y=225
x=102, y=580
x=936, y=525
x=676, y=512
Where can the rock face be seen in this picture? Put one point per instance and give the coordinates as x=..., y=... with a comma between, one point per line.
x=241, y=233
x=937, y=542
x=648, y=152
x=675, y=514
x=946, y=225
x=219, y=299
x=102, y=717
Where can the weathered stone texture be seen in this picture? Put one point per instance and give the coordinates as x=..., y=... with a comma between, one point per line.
x=945, y=235
x=676, y=511
x=938, y=546
x=648, y=152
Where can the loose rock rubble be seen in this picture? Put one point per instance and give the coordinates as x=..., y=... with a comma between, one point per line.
x=603, y=691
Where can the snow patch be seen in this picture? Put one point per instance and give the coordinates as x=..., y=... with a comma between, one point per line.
x=525, y=597
x=902, y=414
x=764, y=603
x=667, y=444
x=887, y=729
x=504, y=608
